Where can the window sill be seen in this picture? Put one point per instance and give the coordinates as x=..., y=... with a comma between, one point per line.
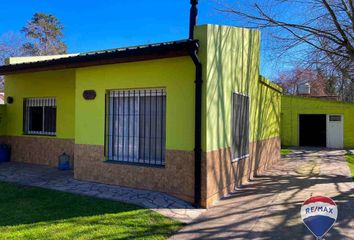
x=240, y=158
x=39, y=135
x=134, y=164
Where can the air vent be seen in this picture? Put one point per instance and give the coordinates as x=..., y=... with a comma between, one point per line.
x=335, y=118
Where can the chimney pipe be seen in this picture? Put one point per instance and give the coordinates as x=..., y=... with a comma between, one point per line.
x=193, y=18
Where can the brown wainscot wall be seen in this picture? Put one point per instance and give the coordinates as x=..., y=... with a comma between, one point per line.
x=223, y=175
x=220, y=176
x=39, y=150
x=176, y=178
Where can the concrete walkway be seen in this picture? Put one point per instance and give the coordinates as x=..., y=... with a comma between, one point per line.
x=269, y=207
x=51, y=178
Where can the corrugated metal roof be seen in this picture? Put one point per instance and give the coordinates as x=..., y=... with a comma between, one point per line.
x=134, y=47
x=133, y=53
x=27, y=59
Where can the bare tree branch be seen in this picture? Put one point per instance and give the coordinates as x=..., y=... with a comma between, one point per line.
x=322, y=39
x=349, y=11
x=346, y=41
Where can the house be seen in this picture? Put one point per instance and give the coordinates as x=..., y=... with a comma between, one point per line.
x=191, y=118
x=316, y=122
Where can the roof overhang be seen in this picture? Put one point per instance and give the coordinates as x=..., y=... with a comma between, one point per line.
x=120, y=55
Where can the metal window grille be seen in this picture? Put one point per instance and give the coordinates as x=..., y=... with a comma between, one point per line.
x=39, y=116
x=136, y=126
x=240, y=126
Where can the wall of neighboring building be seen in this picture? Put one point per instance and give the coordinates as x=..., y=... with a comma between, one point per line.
x=292, y=106
x=177, y=76
x=231, y=58
x=2, y=120
x=41, y=149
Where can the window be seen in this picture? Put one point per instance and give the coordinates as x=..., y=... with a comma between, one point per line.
x=39, y=116
x=136, y=126
x=240, y=126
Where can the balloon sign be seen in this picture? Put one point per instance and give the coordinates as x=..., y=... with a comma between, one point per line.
x=319, y=214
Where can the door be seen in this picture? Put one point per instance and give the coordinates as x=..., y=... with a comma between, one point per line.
x=335, y=131
x=312, y=130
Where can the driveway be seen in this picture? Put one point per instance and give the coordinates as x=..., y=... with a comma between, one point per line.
x=269, y=207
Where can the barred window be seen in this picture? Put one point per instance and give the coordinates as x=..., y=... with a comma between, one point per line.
x=136, y=126
x=240, y=126
x=39, y=116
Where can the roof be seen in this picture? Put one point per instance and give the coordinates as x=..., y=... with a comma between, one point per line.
x=317, y=99
x=324, y=97
x=109, y=56
x=26, y=59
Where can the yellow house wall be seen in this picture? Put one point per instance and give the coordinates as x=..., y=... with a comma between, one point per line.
x=175, y=74
x=58, y=84
x=231, y=58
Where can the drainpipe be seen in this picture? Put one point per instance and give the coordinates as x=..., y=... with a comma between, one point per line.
x=198, y=106
x=197, y=126
x=193, y=18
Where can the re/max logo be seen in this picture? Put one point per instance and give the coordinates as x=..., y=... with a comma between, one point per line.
x=319, y=209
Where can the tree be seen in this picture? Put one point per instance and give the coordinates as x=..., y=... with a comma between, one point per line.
x=45, y=33
x=319, y=32
x=291, y=80
x=10, y=46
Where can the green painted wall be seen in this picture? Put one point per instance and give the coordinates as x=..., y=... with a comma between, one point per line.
x=59, y=84
x=231, y=58
x=293, y=106
x=267, y=115
x=175, y=74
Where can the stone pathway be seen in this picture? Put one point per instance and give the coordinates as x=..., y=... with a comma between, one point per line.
x=269, y=207
x=51, y=178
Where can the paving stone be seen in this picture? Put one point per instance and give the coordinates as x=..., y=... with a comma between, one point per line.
x=51, y=178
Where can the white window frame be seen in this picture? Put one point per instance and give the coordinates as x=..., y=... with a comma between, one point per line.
x=38, y=102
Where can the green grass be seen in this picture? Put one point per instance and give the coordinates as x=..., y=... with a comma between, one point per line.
x=350, y=160
x=36, y=213
x=285, y=151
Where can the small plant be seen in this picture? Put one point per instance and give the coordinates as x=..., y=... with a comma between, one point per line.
x=350, y=159
x=284, y=152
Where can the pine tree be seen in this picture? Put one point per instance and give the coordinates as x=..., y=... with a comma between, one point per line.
x=45, y=35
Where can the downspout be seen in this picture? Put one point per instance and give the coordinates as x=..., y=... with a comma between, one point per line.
x=193, y=18
x=198, y=106
x=197, y=126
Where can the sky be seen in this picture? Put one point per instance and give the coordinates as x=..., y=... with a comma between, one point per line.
x=95, y=25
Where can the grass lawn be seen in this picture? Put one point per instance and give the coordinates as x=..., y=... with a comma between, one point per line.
x=350, y=160
x=36, y=213
x=285, y=151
